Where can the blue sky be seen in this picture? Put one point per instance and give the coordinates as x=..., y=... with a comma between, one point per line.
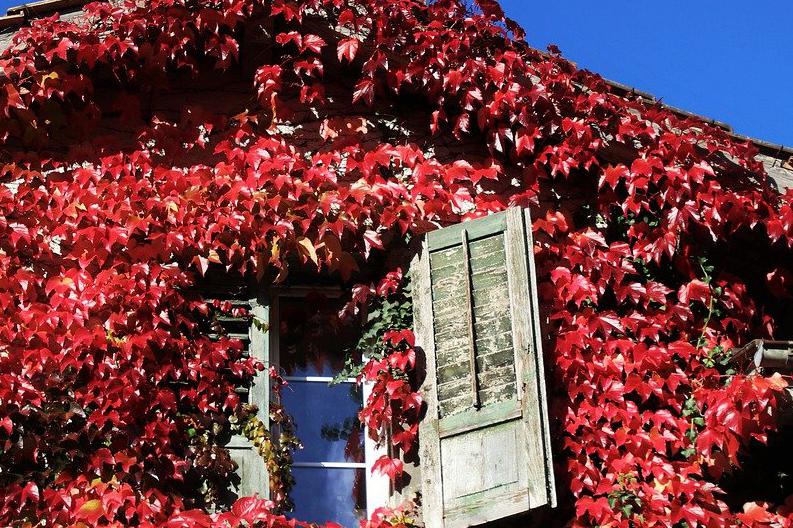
x=730, y=60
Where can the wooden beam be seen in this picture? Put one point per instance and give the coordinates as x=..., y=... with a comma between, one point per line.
x=11, y=21
x=762, y=354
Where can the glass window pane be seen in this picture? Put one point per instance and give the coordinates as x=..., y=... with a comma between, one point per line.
x=312, y=340
x=329, y=494
x=326, y=419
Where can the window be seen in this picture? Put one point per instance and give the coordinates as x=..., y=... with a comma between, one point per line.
x=333, y=478
x=484, y=441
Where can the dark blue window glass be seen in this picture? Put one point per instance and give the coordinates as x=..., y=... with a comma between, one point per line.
x=329, y=494
x=326, y=418
x=312, y=348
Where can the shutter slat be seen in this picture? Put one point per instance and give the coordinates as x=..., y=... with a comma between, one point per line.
x=484, y=440
x=495, y=360
x=251, y=471
x=490, y=344
x=488, y=381
x=497, y=323
x=452, y=402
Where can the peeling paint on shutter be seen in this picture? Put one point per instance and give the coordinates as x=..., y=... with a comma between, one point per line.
x=484, y=441
x=486, y=270
x=251, y=475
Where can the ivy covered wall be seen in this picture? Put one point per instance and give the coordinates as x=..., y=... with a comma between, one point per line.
x=148, y=144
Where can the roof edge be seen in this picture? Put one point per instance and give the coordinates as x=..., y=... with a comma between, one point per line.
x=773, y=149
x=18, y=15
x=9, y=21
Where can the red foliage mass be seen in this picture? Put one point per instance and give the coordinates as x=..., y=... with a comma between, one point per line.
x=104, y=370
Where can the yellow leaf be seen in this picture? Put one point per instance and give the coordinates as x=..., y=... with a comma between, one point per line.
x=91, y=506
x=275, y=251
x=91, y=511
x=660, y=486
x=307, y=249
x=777, y=381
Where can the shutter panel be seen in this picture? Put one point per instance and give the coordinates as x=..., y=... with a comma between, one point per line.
x=484, y=440
x=253, y=332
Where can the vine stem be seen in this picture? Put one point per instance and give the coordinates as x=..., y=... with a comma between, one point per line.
x=711, y=302
x=711, y=309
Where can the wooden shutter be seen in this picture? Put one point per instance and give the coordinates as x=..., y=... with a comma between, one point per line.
x=484, y=440
x=251, y=472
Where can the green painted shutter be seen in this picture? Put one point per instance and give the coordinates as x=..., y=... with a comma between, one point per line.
x=484, y=440
x=251, y=475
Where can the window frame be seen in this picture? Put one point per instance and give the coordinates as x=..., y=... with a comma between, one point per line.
x=378, y=487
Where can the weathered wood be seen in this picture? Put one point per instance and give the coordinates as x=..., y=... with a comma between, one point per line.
x=487, y=416
x=497, y=322
x=479, y=460
x=474, y=280
x=489, y=381
x=429, y=448
x=450, y=372
x=495, y=360
x=477, y=510
x=251, y=470
x=453, y=351
x=491, y=344
x=450, y=236
x=525, y=369
x=460, y=404
x=476, y=319
x=539, y=360
x=445, y=261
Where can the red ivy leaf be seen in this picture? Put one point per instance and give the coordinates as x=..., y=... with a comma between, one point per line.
x=313, y=43
x=364, y=91
x=385, y=465
x=347, y=48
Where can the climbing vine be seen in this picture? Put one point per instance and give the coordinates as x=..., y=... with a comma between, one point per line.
x=119, y=192
x=386, y=308
x=276, y=452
